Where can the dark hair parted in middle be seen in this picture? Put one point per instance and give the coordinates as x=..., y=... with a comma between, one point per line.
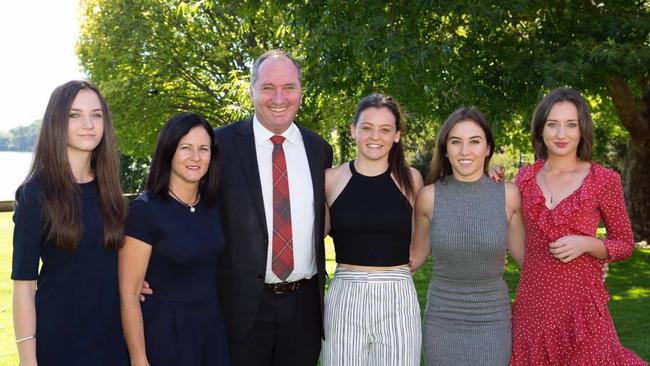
x=170, y=135
x=440, y=166
x=584, y=122
x=396, y=159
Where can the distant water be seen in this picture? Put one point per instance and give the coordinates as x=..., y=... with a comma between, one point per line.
x=13, y=169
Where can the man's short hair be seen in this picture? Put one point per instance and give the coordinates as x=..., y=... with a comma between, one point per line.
x=274, y=54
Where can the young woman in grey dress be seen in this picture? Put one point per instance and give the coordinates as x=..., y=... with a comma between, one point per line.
x=466, y=221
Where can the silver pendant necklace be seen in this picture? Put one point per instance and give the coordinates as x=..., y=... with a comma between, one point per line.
x=544, y=172
x=548, y=188
x=190, y=205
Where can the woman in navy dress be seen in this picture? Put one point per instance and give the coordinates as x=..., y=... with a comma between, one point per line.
x=174, y=240
x=70, y=215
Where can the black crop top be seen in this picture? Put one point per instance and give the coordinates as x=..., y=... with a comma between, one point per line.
x=371, y=222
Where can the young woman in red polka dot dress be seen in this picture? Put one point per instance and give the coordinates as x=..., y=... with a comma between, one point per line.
x=560, y=315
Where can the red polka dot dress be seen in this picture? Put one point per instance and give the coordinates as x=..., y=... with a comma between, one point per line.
x=560, y=315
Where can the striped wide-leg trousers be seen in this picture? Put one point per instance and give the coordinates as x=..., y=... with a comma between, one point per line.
x=372, y=318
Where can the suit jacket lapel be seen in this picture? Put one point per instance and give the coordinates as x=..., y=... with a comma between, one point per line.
x=247, y=153
x=317, y=170
x=311, y=157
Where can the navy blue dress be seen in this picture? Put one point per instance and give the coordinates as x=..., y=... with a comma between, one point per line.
x=183, y=324
x=77, y=297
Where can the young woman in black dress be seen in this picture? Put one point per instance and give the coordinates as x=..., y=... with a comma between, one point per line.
x=174, y=240
x=70, y=215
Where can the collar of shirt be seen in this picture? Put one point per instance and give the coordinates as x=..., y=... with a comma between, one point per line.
x=263, y=135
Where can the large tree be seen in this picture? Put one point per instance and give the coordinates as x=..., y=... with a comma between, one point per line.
x=501, y=56
x=154, y=58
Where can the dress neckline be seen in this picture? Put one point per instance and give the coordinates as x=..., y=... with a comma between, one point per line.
x=466, y=187
x=354, y=172
x=569, y=196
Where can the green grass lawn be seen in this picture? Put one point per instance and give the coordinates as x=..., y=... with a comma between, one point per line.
x=8, y=354
x=628, y=282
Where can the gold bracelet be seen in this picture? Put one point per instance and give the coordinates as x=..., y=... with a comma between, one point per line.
x=25, y=339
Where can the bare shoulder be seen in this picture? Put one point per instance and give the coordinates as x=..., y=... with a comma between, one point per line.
x=416, y=179
x=513, y=196
x=335, y=181
x=428, y=190
x=425, y=199
x=511, y=189
x=337, y=172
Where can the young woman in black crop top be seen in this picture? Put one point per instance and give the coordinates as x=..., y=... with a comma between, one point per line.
x=372, y=314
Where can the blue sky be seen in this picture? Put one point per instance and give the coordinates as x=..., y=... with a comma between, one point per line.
x=37, y=40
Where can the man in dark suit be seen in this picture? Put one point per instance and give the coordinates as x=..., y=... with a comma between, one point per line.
x=272, y=273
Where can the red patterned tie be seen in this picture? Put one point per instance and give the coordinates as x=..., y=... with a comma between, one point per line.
x=282, y=263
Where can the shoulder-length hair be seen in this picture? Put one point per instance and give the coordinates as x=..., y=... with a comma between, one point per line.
x=161, y=164
x=61, y=195
x=584, y=122
x=440, y=166
x=396, y=159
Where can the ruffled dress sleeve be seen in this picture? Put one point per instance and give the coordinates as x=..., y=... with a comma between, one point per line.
x=611, y=204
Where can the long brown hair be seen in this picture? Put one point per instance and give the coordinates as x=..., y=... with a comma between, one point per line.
x=440, y=166
x=51, y=167
x=396, y=159
x=584, y=122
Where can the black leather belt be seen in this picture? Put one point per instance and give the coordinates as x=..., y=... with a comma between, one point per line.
x=285, y=287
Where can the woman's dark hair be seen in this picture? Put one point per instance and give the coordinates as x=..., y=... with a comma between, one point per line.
x=61, y=201
x=396, y=159
x=161, y=164
x=440, y=166
x=584, y=122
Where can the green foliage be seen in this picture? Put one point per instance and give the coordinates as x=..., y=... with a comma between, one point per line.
x=152, y=59
x=133, y=173
x=611, y=138
x=22, y=138
x=501, y=57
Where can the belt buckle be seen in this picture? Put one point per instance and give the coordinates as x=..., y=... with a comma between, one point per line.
x=293, y=286
x=286, y=287
x=279, y=288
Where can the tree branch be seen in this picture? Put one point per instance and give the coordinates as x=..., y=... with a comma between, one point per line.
x=630, y=108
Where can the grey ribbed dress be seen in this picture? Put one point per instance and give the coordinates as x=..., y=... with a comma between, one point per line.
x=467, y=319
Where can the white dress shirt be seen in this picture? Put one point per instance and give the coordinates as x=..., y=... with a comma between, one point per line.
x=301, y=196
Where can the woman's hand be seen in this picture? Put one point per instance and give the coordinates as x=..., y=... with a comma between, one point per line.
x=567, y=248
x=145, y=290
x=496, y=173
x=570, y=247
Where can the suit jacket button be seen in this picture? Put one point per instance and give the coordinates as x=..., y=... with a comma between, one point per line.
x=260, y=276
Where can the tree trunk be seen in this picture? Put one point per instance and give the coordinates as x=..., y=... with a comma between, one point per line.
x=636, y=183
x=634, y=112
